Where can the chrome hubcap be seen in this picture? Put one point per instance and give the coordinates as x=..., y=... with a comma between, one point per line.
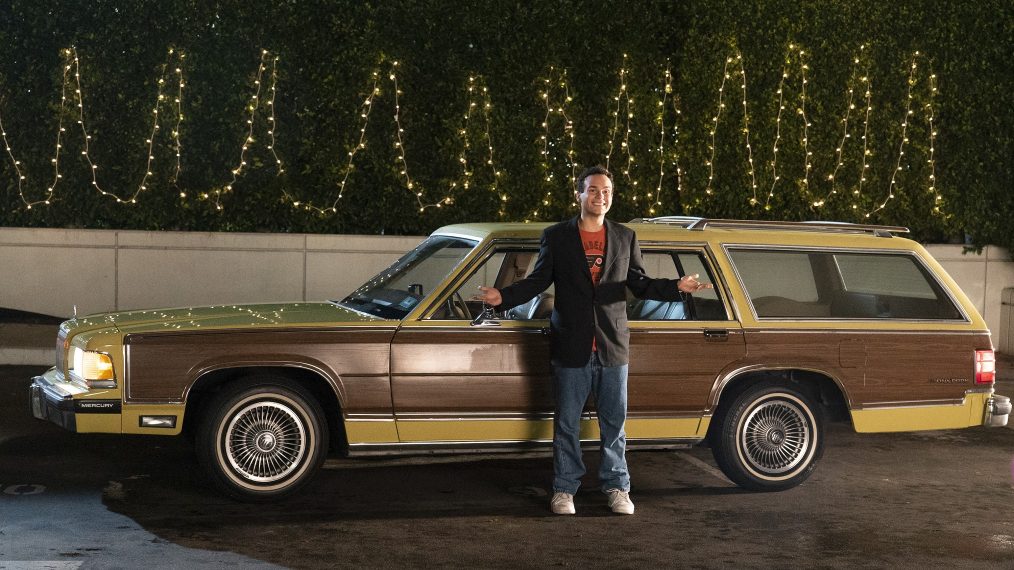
x=265, y=442
x=776, y=436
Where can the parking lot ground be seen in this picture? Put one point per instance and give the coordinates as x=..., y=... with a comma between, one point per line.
x=915, y=500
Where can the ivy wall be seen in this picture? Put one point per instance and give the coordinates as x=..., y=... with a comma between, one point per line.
x=590, y=77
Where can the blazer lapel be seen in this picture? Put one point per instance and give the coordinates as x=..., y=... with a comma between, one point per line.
x=613, y=246
x=577, y=247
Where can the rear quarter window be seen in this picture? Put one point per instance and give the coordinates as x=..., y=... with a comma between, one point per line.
x=818, y=284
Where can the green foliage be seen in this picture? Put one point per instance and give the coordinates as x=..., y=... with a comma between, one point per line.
x=329, y=49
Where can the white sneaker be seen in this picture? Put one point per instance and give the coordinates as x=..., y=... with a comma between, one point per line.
x=563, y=504
x=620, y=503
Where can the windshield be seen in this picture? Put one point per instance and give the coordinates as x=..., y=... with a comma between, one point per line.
x=395, y=291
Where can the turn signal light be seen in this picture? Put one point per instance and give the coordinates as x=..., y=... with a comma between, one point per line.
x=985, y=367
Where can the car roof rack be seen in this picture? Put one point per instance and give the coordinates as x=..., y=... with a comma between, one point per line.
x=697, y=224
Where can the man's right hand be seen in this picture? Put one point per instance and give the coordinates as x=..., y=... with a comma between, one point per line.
x=490, y=296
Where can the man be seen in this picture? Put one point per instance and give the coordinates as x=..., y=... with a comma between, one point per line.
x=592, y=261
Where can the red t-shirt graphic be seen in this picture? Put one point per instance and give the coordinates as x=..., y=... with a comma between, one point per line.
x=595, y=252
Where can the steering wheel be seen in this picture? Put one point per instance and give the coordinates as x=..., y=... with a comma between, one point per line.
x=456, y=307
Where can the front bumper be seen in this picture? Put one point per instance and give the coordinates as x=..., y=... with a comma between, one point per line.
x=998, y=409
x=49, y=402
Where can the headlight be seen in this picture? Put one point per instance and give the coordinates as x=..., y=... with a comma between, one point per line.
x=95, y=368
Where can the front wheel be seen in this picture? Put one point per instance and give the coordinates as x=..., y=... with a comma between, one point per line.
x=262, y=439
x=769, y=438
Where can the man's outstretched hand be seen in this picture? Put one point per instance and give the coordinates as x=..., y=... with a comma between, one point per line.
x=690, y=284
x=489, y=295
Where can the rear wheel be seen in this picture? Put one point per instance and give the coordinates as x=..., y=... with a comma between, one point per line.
x=262, y=438
x=769, y=438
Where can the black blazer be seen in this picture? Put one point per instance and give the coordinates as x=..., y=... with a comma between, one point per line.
x=580, y=309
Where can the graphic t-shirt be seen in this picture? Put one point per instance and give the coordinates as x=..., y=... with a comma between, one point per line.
x=595, y=252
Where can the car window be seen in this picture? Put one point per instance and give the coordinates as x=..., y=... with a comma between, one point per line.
x=840, y=285
x=499, y=269
x=395, y=291
x=673, y=264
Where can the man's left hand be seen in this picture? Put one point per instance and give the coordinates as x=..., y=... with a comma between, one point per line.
x=690, y=284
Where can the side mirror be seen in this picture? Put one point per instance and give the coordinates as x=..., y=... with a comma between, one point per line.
x=486, y=318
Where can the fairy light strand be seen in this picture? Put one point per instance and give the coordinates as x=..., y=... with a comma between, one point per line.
x=839, y=151
x=216, y=195
x=801, y=111
x=714, y=125
x=494, y=187
x=778, y=128
x=675, y=156
x=621, y=91
x=930, y=116
x=55, y=161
x=271, y=116
x=155, y=127
x=561, y=84
x=904, y=137
x=365, y=109
x=660, y=119
x=400, y=144
x=746, y=131
x=178, y=129
x=857, y=194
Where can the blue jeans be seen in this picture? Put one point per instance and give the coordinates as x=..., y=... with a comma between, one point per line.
x=572, y=387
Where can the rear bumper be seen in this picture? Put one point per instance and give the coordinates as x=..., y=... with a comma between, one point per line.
x=998, y=409
x=48, y=402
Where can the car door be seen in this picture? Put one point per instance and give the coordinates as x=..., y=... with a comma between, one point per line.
x=679, y=350
x=455, y=382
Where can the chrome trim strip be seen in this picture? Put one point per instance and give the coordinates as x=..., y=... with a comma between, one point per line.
x=503, y=446
x=753, y=330
x=912, y=404
x=519, y=416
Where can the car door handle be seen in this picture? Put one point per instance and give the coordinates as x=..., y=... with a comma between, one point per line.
x=716, y=335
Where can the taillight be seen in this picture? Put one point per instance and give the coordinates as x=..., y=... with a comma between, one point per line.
x=985, y=367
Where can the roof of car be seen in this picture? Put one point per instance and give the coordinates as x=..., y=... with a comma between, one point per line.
x=680, y=228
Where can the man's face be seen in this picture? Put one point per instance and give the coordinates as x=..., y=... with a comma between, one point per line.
x=597, y=195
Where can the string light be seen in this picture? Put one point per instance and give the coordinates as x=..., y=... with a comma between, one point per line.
x=746, y=131
x=495, y=184
x=177, y=130
x=778, y=127
x=674, y=102
x=60, y=129
x=400, y=144
x=624, y=100
x=857, y=193
x=845, y=136
x=364, y=120
x=714, y=125
x=464, y=181
x=150, y=141
x=904, y=137
x=660, y=119
x=675, y=143
x=556, y=98
x=937, y=198
x=801, y=110
x=252, y=106
x=559, y=81
x=271, y=116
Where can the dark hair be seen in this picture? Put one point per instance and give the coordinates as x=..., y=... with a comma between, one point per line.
x=591, y=171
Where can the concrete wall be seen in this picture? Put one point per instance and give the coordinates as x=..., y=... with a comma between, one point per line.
x=50, y=270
